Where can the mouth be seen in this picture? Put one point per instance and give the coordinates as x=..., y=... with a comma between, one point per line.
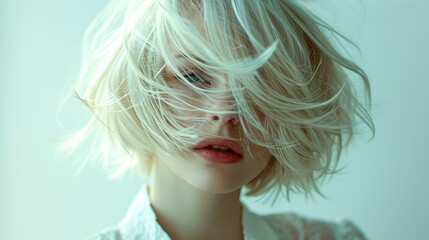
x=219, y=150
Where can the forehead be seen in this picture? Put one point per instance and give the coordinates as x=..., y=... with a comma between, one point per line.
x=209, y=35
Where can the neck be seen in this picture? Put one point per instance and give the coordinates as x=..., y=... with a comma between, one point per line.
x=186, y=212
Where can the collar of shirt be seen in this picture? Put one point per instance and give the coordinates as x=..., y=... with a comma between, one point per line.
x=140, y=222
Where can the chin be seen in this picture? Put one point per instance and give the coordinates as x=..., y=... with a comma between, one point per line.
x=209, y=177
x=216, y=181
x=217, y=188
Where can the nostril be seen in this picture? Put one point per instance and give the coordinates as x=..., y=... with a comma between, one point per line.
x=234, y=120
x=227, y=118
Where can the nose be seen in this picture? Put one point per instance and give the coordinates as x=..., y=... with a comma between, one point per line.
x=225, y=119
x=224, y=110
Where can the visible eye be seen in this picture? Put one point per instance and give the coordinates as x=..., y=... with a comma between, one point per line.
x=197, y=79
x=192, y=77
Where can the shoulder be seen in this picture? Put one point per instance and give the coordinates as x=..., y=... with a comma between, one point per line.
x=298, y=227
x=107, y=234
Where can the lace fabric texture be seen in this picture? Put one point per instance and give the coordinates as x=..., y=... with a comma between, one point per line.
x=140, y=224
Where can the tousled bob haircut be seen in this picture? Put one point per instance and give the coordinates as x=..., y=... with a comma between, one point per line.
x=291, y=88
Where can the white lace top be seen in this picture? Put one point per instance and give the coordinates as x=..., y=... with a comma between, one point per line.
x=140, y=224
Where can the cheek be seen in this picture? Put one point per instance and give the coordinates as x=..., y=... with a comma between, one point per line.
x=185, y=108
x=262, y=155
x=259, y=157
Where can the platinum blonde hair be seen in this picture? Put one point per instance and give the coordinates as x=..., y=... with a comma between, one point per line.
x=291, y=88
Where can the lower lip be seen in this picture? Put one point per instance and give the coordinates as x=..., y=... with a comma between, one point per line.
x=219, y=156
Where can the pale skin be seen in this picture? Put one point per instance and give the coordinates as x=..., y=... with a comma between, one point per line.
x=197, y=199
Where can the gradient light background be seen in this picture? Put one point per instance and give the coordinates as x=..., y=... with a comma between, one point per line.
x=383, y=189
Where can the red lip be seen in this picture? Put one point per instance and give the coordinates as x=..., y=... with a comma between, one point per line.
x=233, y=155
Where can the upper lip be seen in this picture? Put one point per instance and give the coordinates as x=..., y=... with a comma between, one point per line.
x=233, y=145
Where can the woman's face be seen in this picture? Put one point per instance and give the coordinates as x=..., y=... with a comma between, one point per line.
x=213, y=164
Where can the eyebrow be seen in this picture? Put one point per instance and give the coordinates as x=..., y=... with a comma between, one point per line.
x=180, y=55
x=166, y=72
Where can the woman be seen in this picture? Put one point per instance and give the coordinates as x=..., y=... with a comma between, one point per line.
x=212, y=97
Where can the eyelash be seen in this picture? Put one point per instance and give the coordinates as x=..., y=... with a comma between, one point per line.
x=196, y=79
x=191, y=77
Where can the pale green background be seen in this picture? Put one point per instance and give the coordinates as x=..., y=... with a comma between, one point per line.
x=383, y=189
